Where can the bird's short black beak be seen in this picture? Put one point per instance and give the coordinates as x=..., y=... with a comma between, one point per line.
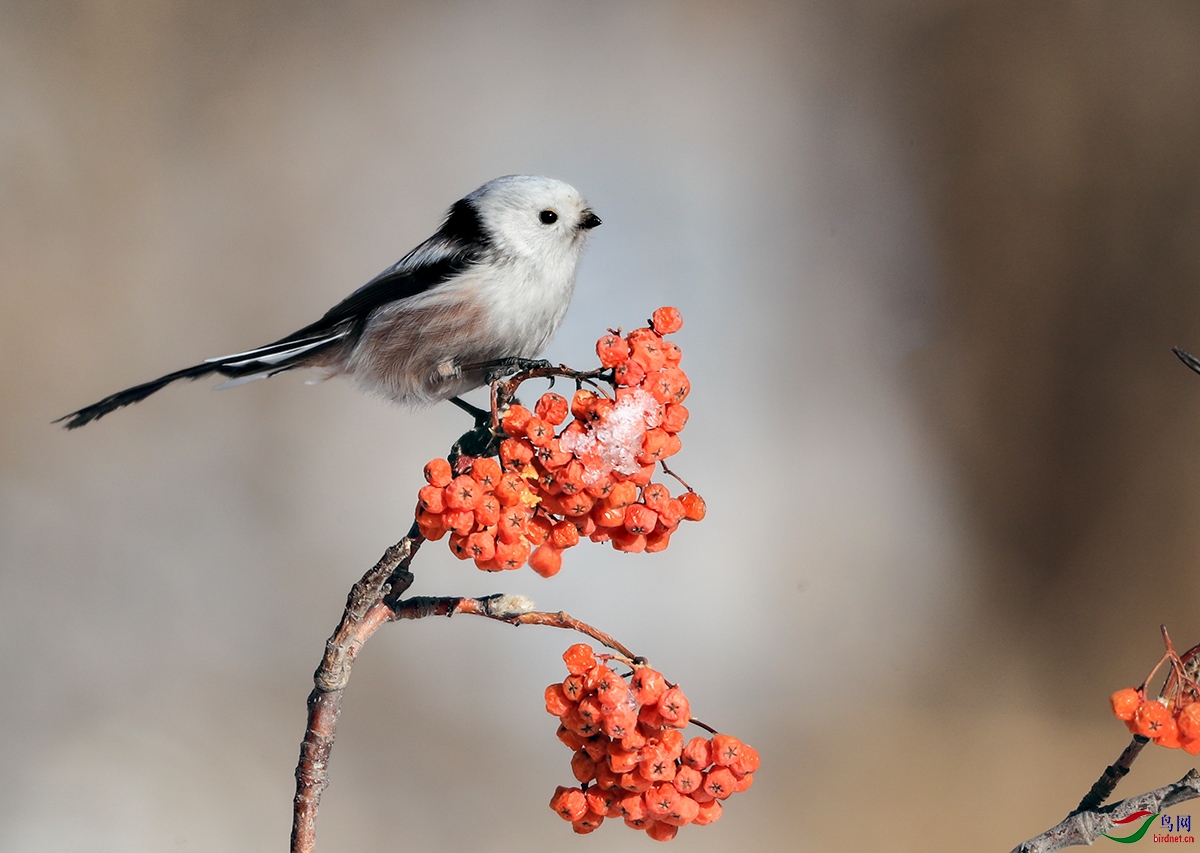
x=589, y=221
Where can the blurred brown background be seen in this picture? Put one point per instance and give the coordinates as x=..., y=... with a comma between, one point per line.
x=932, y=257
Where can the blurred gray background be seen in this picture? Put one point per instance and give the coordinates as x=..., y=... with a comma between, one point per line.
x=931, y=256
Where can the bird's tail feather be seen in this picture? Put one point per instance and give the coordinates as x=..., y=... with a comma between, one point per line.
x=240, y=367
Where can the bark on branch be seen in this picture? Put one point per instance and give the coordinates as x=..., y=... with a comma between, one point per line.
x=1085, y=827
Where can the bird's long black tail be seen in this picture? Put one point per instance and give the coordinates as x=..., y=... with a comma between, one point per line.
x=140, y=392
x=296, y=350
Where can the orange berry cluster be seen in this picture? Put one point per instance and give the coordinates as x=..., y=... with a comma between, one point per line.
x=1173, y=723
x=630, y=757
x=590, y=479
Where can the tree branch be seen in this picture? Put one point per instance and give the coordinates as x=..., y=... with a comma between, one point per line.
x=1085, y=827
x=359, y=620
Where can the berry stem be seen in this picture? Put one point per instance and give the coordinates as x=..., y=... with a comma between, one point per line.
x=505, y=608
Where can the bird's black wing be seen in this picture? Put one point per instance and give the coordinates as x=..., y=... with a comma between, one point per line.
x=459, y=243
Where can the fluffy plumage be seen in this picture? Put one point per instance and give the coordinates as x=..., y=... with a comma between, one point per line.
x=494, y=282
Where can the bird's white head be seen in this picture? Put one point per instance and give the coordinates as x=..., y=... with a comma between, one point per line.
x=534, y=217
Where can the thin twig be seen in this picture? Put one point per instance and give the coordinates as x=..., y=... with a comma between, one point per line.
x=514, y=609
x=1086, y=827
x=360, y=618
x=1113, y=774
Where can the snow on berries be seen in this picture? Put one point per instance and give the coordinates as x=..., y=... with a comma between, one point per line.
x=574, y=469
x=630, y=758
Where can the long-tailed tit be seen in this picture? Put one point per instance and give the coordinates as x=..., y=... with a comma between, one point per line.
x=493, y=283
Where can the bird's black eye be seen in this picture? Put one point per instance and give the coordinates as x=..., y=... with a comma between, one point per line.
x=548, y=217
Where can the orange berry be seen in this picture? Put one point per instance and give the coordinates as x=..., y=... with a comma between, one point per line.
x=676, y=710
x=648, y=685
x=570, y=477
x=438, y=473
x=568, y=737
x=658, y=540
x=632, y=805
x=680, y=386
x=552, y=408
x=685, y=812
x=432, y=498
x=646, y=348
x=590, y=822
x=719, y=782
x=742, y=783
x=557, y=702
x=628, y=374
x=570, y=803
x=666, y=320
x=546, y=560
x=431, y=527
x=661, y=799
x=539, y=432
x=537, y=529
x=725, y=749
x=656, y=496
x=630, y=543
x=639, y=518
x=512, y=555
x=612, y=350
x=605, y=778
x=619, y=723
x=747, y=761
x=488, y=511
x=458, y=546
x=552, y=456
x=511, y=526
x=486, y=472
x=1169, y=735
x=576, y=505
x=460, y=521
x=515, y=419
x=661, y=831
x=642, y=476
x=564, y=535
x=709, y=812
x=621, y=760
x=1188, y=720
x=583, y=767
x=462, y=493
x=581, y=404
x=655, y=764
x=621, y=495
x=608, y=516
x=675, y=417
x=580, y=659
x=693, y=506
x=510, y=489
x=481, y=546
x=1125, y=703
x=1150, y=718
x=671, y=514
x=1191, y=747
x=653, y=446
x=687, y=779
x=515, y=453
x=603, y=801
x=573, y=684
